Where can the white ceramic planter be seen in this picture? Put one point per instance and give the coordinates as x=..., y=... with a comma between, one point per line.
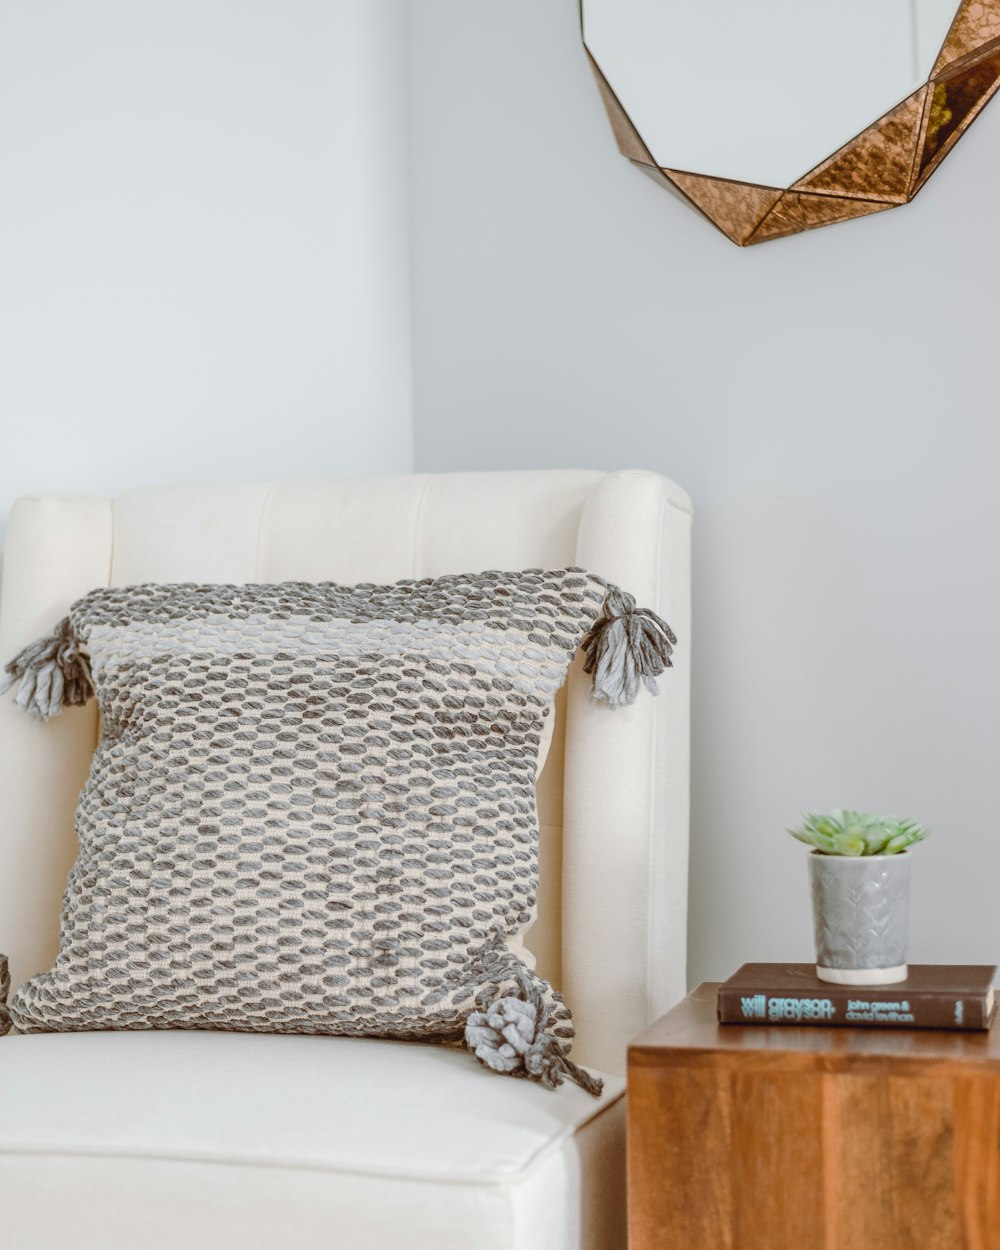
x=860, y=916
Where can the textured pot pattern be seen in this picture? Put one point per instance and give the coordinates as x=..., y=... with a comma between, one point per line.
x=860, y=909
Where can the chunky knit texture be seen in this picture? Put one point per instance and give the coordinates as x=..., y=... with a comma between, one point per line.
x=312, y=808
x=4, y=991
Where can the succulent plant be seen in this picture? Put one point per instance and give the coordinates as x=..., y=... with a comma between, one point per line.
x=844, y=832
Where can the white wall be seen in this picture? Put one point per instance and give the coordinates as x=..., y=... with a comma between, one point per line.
x=831, y=403
x=203, y=267
x=203, y=264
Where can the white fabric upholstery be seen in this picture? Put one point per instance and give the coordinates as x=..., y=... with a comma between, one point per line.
x=171, y=1141
x=493, y=1162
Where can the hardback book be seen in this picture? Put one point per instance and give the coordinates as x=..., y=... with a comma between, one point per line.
x=934, y=996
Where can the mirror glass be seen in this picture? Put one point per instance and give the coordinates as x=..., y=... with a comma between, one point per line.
x=761, y=90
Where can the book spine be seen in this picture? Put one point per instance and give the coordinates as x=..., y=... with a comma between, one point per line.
x=853, y=1006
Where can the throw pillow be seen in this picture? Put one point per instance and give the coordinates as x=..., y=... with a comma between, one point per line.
x=312, y=807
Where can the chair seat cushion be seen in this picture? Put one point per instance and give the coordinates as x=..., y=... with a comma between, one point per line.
x=164, y=1139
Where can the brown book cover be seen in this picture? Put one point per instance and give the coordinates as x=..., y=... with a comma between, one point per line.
x=934, y=996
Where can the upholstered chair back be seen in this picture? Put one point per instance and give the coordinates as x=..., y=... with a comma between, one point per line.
x=613, y=794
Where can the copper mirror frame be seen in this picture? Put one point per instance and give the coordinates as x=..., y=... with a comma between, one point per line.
x=882, y=167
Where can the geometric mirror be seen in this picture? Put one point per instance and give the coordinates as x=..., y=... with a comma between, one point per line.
x=735, y=106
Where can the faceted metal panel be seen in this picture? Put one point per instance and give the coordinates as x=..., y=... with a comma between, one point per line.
x=797, y=211
x=878, y=164
x=660, y=178
x=976, y=23
x=630, y=142
x=882, y=167
x=735, y=207
x=954, y=102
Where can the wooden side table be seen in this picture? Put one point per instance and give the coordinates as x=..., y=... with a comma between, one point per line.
x=757, y=1138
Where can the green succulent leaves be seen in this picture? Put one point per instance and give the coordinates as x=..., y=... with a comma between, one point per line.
x=844, y=832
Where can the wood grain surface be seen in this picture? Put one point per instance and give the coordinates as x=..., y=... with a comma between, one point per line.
x=756, y=1138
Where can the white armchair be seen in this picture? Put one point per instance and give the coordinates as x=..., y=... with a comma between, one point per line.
x=157, y=1141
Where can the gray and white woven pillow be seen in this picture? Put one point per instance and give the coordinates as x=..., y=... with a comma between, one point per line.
x=312, y=807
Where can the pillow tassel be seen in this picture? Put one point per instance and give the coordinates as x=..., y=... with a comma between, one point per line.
x=50, y=673
x=509, y=1037
x=626, y=647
